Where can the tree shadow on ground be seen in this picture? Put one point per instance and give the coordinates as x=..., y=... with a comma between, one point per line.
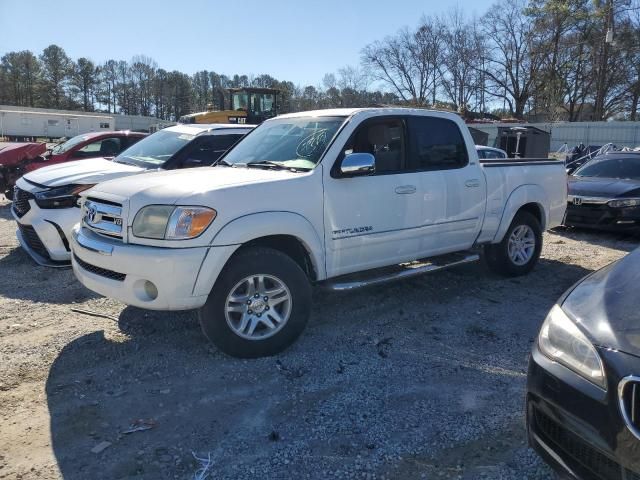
x=617, y=240
x=5, y=210
x=163, y=375
x=23, y=279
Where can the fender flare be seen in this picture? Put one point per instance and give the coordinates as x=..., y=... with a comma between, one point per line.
x=263, y=224
x=523, y=195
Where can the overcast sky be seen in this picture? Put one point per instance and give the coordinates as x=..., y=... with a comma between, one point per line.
x=297, y=40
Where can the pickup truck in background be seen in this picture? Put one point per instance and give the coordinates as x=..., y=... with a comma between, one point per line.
x=345, y=198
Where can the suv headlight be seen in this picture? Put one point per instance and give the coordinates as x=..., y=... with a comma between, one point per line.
x=61, y=197
x=562, y=341
x=624, y=202
x=167, y=222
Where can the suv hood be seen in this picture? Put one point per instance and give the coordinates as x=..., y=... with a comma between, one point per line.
x=167, y=187
x=93, y=170
x=602, y=187
x=606, y=305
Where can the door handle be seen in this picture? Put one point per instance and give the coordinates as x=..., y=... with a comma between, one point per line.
x=406, y=189
x=473, y=183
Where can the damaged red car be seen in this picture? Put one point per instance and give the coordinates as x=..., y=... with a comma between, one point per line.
x=16, y=159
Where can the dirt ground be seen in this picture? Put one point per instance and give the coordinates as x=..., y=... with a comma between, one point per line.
x=419, y=379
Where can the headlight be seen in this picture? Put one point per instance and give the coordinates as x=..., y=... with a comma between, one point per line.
x=624, y=202
x=162, y=222
x=61, y=197
x=562, y=341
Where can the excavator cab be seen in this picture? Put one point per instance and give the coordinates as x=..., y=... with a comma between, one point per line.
x=259, y=104
x=249, y=105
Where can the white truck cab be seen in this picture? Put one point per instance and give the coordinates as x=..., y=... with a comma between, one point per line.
x=345, y=198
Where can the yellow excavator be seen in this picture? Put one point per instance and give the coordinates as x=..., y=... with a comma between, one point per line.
x=249, y=106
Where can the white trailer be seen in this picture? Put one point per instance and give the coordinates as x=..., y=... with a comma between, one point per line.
x=21, y=123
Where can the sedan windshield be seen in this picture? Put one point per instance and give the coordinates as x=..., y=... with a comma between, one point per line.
x=155, y=150
x=623, y=168
x=69, y=144
x=296, y=143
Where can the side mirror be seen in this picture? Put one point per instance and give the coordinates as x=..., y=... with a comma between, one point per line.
x=355, y=164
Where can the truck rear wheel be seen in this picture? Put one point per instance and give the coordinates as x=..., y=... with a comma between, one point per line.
x=519, y=250
x=259, y=305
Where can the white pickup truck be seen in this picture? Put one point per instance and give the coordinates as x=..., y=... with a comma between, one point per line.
x=344, y=198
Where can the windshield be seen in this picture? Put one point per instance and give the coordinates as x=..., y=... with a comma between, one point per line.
x=291, y=142
x=239, y=101
x=261, y=102
x=624, y=168
x=69, y=144
x=155, y=150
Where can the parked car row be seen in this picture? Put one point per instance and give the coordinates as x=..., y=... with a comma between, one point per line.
x=46, y=201
x=344, y=199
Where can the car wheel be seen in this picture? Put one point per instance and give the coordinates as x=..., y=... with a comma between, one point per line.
x=259, y=305
x=519, y=250
x=9, y=194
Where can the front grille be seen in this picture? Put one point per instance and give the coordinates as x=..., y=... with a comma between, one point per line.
x=103, y=217
x=32, y=239
x=601, y=466
x=103, y=272
x=21, y=203
x=629, y=397
x=586, y=213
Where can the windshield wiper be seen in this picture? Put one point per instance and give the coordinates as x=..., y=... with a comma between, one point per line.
x=222, y=162
x=270, y=164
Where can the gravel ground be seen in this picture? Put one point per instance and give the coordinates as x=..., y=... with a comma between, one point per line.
x=419, y=379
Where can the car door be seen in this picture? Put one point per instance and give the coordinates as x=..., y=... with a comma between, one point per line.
x=371, y=220
x=451, y=185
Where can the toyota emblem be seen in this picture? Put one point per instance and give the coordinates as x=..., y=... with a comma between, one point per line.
x=92, y=211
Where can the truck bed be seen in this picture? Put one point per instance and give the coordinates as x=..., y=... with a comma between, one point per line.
x=535, y=179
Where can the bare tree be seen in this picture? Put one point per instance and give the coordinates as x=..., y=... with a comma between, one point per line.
x=461, y=65
x=513, y=61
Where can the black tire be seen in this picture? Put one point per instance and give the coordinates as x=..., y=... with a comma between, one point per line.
x=9, y=194
x=255, y=261
x=497, y=255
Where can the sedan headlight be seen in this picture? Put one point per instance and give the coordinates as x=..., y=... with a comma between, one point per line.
x=624, y=202
x=562, y=341
x=61, y=197
x=166, y=222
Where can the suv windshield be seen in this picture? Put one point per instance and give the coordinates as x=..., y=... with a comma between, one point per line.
x=155, y=150
x=627, y=168
x=69, y=144
x=296, y=142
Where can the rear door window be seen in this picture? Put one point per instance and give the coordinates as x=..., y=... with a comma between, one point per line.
x=210, y=148
x=436, y=144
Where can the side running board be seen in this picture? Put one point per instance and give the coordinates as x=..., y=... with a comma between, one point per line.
x=398, y=272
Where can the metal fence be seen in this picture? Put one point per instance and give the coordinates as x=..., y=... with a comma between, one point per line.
x=621, y=134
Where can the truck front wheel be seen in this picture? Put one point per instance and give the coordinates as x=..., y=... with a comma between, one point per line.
x=259, y=305
x=519, y=250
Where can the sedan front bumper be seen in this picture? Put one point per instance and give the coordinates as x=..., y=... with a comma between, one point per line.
x=577, y=427
x=603, y=217
x=44, y=233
